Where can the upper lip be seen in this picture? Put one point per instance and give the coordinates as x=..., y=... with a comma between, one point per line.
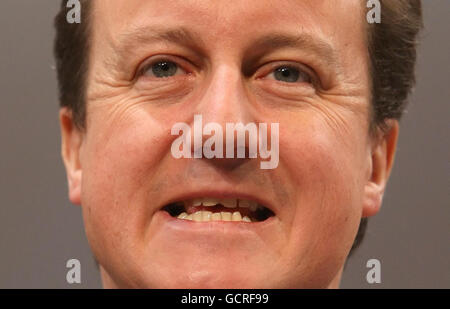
x=220, y=194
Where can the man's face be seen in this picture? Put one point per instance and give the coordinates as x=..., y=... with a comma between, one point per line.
x=302, y=64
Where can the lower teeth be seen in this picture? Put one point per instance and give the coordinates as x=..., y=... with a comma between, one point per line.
x=206, y=216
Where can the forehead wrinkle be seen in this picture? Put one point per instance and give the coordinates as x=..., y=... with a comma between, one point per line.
x=128, y=42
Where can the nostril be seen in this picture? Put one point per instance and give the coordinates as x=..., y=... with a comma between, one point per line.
x=228, y=163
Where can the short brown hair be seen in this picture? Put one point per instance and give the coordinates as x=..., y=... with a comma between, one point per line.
x=391, y=48
x=71, y=50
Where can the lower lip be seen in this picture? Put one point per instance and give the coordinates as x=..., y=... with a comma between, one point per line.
x=231, y=227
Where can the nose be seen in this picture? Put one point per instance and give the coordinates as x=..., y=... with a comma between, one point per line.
x=224, y=104
x=224, y=98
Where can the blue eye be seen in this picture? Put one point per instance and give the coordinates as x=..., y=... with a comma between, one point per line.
x=290, y=74
x=286, y=74
x=163, y=69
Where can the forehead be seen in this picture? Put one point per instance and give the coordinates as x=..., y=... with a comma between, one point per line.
x=340, y=22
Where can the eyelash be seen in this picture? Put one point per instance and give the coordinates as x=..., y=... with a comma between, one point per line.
x=306, y=72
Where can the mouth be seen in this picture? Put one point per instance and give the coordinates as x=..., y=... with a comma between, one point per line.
x=207, y=209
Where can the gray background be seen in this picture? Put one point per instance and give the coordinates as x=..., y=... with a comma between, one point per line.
x=40, y=230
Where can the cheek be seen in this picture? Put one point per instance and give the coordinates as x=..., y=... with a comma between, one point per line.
x=324, y=159
x=325, y=171
x=121, y=159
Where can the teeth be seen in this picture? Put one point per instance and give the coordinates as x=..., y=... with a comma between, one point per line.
x=226, y=216
x=248, y=204
x=229, y=203
x=236, y=216
x=206, y=216
x=253, y=206
x=196, y=202
x=226, y=202
x=210, y=202
x=244, y=203
x=197, y=216
x=216, y=216
x=182, y=215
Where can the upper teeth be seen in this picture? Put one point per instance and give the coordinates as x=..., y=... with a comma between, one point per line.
x=226, y=202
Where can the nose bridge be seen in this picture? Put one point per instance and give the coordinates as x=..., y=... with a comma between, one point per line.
x=224, y=99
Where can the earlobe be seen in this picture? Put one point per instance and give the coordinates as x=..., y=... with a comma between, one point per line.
x=381, y=162
x=71, y=142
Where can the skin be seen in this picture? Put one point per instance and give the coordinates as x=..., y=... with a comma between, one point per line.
x=332, y=169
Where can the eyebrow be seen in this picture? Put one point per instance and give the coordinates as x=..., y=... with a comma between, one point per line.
x=304, y=41
x=132, y=39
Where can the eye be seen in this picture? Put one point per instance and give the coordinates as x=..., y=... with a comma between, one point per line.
x=290, y=74
x=162, y=69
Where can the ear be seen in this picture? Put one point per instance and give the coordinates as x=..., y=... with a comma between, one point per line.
x=381, y=158
x=71, y=142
